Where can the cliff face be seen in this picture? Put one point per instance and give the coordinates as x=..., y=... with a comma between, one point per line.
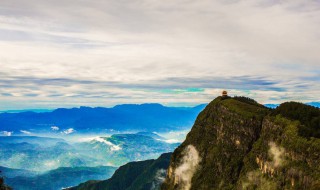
x=222, y=135
x=281, y=159
x=234, y=144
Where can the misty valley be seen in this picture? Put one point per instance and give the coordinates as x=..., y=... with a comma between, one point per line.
x=52, y=163
x=53, y=149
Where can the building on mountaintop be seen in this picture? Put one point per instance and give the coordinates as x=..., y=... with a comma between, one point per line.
x=224, y=93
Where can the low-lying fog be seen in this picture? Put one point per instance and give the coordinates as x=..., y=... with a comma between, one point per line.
x=47, y=151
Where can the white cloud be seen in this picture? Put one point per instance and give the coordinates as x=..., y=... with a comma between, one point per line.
x=7, y=133
x=174, y=136
x=170, y=141
x=55, y=128
x=113, y=147
x=127, y=45
x=68, y=131
x=25, y=132
x=277, y=154
x=188, y=166
x=159, y=178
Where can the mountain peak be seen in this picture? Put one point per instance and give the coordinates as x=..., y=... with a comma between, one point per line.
x=237, y=143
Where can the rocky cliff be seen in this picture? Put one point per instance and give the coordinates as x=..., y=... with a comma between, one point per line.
x=237, y=143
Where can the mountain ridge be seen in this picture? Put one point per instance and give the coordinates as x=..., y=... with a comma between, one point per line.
x=55, y=179
x=126, y=117
x=238, y=145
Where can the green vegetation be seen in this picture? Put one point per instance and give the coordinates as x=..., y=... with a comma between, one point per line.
x=308, y=116
x=249, y=110
x=142, y=175
x=222, y=134
x=247, y=100
x=295, y=165
x=245, y=146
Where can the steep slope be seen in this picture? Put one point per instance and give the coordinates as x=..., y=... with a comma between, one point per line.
x=142, y=175
x=281, y=158
x=237, y=143
x=211, y=156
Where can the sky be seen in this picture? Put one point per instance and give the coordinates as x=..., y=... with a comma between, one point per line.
x=69, y=53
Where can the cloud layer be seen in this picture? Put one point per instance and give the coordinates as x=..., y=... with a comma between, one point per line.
x=101, y=53
x=189, y=165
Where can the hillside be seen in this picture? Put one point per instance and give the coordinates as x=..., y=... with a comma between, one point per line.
x=308, y=116
x=142, y=175
x=236, y=143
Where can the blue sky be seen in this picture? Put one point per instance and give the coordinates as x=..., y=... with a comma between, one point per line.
x=57, y=53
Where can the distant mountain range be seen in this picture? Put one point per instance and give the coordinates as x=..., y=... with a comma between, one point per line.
x=314, y=104
x=55, y=179
x=44, y=141
x=126, y=117
x=144, y=117
x=26, y=110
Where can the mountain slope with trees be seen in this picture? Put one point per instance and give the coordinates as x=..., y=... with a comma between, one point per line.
x=142, y=175
x=236, y=143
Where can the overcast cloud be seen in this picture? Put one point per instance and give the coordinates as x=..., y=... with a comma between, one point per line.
x=65, y=53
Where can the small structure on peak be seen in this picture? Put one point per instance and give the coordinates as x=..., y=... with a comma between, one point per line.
x=224, y=93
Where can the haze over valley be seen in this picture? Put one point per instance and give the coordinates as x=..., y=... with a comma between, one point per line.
x=86, y=143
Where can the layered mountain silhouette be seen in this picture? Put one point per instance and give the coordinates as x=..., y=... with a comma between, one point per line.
x=144, y=117
x=54, y=179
